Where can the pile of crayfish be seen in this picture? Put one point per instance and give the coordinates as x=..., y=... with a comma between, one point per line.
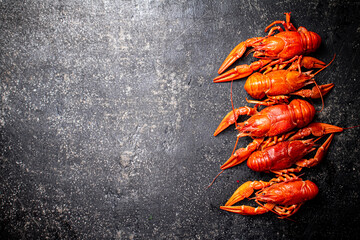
x=282, y=132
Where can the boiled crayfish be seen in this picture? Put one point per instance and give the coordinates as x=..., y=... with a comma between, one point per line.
x=278, y=156
x=306, y=62
x=283, y=196
x=281, y=156
x=277, y=85
x=281, y=48
x=271, y=121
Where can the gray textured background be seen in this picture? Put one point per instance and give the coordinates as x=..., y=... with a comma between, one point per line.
x=108, y=110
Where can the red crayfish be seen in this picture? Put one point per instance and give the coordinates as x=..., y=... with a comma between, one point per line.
x=281, y=48
x=277, y=84
x=271, y=121
x=280, y=154
x=283, y=196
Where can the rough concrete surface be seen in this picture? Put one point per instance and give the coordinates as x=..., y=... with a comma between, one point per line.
x=108, y=111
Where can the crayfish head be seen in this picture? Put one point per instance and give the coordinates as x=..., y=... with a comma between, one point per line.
x=256, y=126
x=269, y=47
x=270, y=195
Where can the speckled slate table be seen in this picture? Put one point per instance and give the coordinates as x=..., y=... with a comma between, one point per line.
x=108, y=110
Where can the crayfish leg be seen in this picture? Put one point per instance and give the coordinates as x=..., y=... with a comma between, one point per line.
x=287, y=171
x=273, y=29
x=287, y=24
x=283, y=178
x=275, y=139
x=285, y=212
x=275, y=68
x=281, y=62
x=271, y=100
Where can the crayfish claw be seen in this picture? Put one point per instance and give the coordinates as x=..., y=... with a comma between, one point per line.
x=228, y=120
x=242, y=154
x=320, y=154
x=326, y=129
x=324, y=89
x=314, y=92
x=311, y=62
x=241, y=71
x=234, y=55
x=234, y=74
x=237, y=53
x=316, y=129
x=232, y=116
x=245, y=210
x=244, y=191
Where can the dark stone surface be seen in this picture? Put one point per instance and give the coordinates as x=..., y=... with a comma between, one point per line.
x=108, y=110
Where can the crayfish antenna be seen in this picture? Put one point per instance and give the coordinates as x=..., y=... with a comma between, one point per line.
x=232, y=106
x=352, y=127
x=214, y=179
x=321, y=95
x=237, y=140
